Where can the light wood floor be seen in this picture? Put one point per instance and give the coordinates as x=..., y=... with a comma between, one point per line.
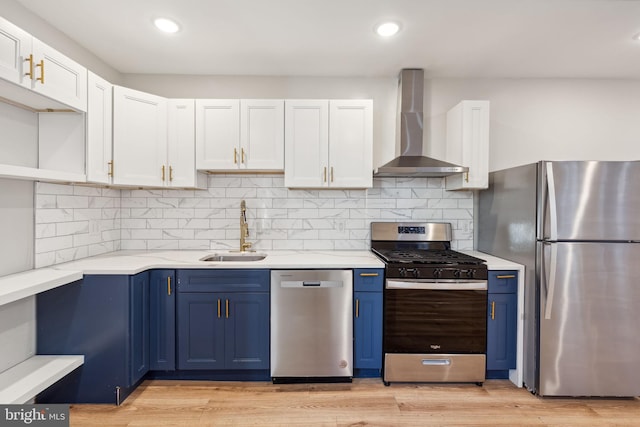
x=364, y=402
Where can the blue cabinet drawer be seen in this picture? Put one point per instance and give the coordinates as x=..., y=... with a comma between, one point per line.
x=503, y=281
x=223, y=280
x=368, y=279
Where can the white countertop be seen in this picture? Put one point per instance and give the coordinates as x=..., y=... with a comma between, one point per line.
x=21, y=285
x=495, y=263
x=133, y=262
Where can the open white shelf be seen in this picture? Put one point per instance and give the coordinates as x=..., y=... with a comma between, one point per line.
x=36, y=174
x=21, y=285
x=20, y=384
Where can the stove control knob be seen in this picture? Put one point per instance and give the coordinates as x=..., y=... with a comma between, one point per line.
x=456, y=274
x=416, y=273
x=471, y=272
x=403, y=272
x=437, y=273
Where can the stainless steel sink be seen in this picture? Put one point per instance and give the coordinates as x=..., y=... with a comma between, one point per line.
x=249, y=256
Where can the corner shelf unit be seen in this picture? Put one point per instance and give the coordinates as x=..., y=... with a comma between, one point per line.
x=22, y=382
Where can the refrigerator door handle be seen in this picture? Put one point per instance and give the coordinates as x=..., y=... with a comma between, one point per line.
x=551, y=284
x=553, y=210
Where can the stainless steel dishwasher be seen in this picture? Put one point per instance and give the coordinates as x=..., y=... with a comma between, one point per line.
x=311, y=325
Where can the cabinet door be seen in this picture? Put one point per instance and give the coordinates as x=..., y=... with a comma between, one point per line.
x=139, y=138
x=351, y=143
x=501, y=331
x=247, y=330
x=201, y=324
x=58, y=77
x=181, y=155
x=15, y=48
x=367, y=351
x=468, y=144
x=262, y=134
x=218, y=134
x=139, y=326
x=99, y=129
x=162, y=324
x=306, y=143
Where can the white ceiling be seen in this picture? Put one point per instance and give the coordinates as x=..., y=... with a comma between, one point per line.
x=448, y=38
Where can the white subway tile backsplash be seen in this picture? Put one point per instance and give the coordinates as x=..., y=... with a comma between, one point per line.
x=73, y=202
x=74, y=222
x=76, y=227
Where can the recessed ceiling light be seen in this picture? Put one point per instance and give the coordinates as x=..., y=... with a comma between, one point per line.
x=387, y=29
x=166, y=25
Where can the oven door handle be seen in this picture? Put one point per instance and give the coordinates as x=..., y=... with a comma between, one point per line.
x=442, y=285
x=436, y=362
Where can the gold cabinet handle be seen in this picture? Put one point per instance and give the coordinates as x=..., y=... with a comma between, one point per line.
x=466, y=176
x=242, y=156
x=368, y=274
x=226, y=308
x=506, y=276
x=218, y=308
x=41, y=65
x=30, y=60
x=169, y=285
x=357, y=308
x=493, y=310
x=325, y=174
x=235, y=156
x=110, y=168
x=162, y=172
x=170, y=173
x=331, y=173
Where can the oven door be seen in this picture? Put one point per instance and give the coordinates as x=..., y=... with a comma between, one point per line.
x=444, y=316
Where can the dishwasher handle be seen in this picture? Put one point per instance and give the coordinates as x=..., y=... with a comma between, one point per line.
x=311, y=284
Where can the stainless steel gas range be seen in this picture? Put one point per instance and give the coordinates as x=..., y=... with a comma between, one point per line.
x=435, y=305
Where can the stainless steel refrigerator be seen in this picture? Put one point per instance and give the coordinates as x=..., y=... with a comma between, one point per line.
x=575, y=225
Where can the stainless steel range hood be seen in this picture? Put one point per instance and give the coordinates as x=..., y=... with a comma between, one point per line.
x=411, y=162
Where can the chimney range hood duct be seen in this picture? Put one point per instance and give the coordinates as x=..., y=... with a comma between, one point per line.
x=411, y=162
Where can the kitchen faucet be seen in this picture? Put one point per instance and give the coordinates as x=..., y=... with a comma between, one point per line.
x=244, y=228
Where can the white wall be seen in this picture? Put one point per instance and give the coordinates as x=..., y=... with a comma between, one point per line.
x=545, y=119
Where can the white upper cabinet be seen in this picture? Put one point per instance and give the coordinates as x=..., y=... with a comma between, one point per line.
x=181, y=145
x=351, y=143
x=306, y=143
x=217, y=134
x=30, y=63
x=262, y=134
x=153, y=141
x=99, y=130
x=328, y=143
x=235, y=135
x=139, y=138
x=468, y=144
x=58, y=77
x=15, y=44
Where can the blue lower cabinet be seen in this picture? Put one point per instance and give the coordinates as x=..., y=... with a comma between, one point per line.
x=502, y=322
x=139, y=326
x=162, y=328
x=106, y=319
x=367, y=350
x=367, y=322
x=201, y=331
x=247, y=331
x=223, y=320
x=501, y=332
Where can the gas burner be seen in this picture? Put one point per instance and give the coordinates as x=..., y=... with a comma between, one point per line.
x=426, y=256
